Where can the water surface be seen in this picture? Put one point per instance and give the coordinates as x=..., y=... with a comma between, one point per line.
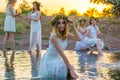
x=23, y=67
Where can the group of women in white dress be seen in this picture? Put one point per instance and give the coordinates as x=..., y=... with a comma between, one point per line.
x=89, y=39
x=53, y=62
x=89, y=36
x=10, y=28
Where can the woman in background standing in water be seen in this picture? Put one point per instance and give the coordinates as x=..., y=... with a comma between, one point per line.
x=35, y=37
x=9, y=27
x=35, y=31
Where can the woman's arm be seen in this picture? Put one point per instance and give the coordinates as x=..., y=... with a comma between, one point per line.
x=97, y=29
x=37, y=18
x=12, y=12
x=83, y=32
x=76, y=36
x=88, y=33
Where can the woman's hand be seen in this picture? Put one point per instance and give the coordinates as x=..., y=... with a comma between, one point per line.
x=18, y=14
x=27, y=18
x=70, y=23
x=73, y=74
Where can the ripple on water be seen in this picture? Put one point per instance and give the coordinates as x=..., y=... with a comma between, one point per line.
x=107, y=68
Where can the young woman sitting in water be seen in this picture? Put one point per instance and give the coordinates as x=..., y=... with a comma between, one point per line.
x=92, y=36
x=54, y=62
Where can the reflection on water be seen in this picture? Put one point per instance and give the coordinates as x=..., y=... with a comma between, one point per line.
x=25, y=66
x=9, y=69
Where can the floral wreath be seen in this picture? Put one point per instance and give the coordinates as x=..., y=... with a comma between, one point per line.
x=37, y=3
x=57, y=17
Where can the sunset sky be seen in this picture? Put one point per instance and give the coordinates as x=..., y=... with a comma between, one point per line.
x=53, y=6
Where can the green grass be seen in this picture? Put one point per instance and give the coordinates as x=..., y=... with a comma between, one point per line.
x=45, y=38
x=20, y=28
x=106, y=48
x=16, y=43
x=2, y=17
x=1, y=31
x=17, y=38
x=113, y=20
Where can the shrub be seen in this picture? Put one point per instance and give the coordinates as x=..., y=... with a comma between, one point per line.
x=20, y=28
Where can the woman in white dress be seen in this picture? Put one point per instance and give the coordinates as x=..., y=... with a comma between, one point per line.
x=80, y=45
x=35, y=31
x=54, y=63
x=92, y=36
x=9, y=27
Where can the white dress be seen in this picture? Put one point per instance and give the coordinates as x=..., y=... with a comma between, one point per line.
x=81, y=44
x=9, y=24
x=51, y=63
x=92, y=41
x=35, y=33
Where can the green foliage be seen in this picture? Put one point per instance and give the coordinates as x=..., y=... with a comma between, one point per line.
x=92, y=12
x=114, y=20
x=73, y=12
x=107, y=12
x=115, y=5
x=106, y=48
x=1, y=30
x=45, y=38
x=17, y=38
x=45, y=12
x=20, y=28
x=25, y=7
x=114, y=74
x=2, y=16
x=62, y=11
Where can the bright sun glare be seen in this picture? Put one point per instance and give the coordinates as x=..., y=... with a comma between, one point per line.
x=53, y=6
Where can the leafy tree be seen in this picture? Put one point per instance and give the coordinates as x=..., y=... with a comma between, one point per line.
x=92, y=12
x=107, y=12
x=62, y=11
x=115, y=5
x=73, y=12
x=45, y=12
x=25, y=7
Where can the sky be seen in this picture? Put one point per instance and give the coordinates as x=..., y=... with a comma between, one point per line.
x=53, y=6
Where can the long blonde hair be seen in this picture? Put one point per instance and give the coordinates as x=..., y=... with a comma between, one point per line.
x=64, y=34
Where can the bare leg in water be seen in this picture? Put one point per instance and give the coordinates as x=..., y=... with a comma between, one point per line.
x=37, y=53
x=5, y=43
x=12, y=41
x=100, y=52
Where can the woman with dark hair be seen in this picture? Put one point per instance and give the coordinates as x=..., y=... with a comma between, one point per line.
x=35, y=32
x=9, y=27
x=54, y=63
x=92, y=36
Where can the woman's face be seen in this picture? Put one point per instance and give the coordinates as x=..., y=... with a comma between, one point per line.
x=93, y=21
x=61, y=24
x=14, y=2
x=34, y=6
x=82, y=23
